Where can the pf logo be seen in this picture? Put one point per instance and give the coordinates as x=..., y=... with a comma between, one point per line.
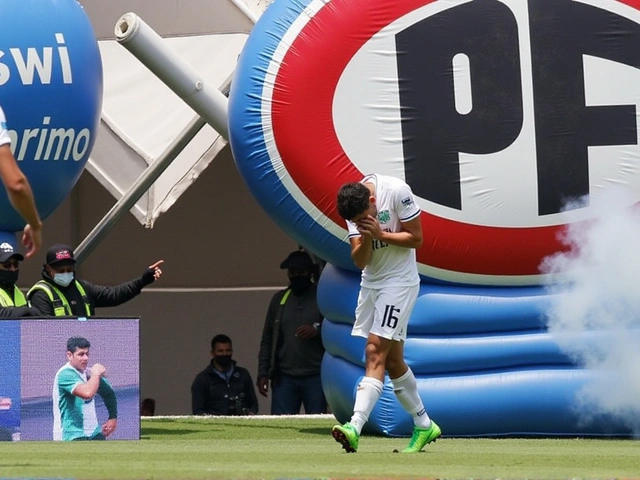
x=510, y=119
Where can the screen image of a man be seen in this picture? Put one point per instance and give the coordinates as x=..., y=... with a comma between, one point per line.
x=74, y=390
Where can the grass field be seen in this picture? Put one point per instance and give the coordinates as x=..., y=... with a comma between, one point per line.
x=292, y=447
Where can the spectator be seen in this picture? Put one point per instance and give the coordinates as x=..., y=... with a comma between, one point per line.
x=13, y=303
x=60, y=294
x=291, y=346
x=223, y=388
x=148, y=407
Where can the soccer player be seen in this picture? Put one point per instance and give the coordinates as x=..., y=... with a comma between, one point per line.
x=384, y=232
x=74, y=389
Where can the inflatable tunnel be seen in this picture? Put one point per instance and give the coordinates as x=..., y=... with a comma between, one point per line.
x=495, y=112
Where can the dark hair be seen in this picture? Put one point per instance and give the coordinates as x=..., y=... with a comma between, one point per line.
x=222, y=338
x=75, y=343
x=353, y=199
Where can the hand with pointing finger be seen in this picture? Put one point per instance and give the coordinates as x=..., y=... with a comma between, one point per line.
x=152, y=273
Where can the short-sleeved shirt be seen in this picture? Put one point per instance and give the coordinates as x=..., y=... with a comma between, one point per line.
x=390, y=265
x=73, y=417
x=4, y=130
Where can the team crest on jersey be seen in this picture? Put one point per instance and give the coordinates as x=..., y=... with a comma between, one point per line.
x=383, y=216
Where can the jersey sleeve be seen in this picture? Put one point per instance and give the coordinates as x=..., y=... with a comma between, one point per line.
x=105, y=390
x=405, y=204
x=4, y=130
x=67, y=381
x=353, y=230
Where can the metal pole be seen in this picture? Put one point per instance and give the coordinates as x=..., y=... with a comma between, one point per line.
x=139, y=187
x=244, y=8
x=148, y=47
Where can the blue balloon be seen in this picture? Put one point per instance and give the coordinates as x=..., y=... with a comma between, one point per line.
x=51, y=93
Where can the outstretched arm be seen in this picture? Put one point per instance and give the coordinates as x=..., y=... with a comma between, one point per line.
x=113, y=296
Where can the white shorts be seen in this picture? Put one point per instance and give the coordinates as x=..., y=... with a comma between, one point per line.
x=384, y=312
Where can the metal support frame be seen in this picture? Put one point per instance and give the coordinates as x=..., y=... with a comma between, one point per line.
x=139, y=187
x=207, y=101
x=147, y=46
x=244, y=8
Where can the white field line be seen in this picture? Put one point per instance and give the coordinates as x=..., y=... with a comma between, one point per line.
x=239, y=417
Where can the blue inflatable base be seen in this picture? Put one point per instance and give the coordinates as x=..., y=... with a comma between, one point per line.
x=485, y=364
x=524, y=403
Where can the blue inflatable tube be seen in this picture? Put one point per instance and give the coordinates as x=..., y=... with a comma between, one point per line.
x=467, y=353
x=444, y=309
x=531, y=402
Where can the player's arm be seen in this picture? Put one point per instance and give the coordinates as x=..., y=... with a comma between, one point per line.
x=108, y=394
x=110, y=400
x=361, y=249
x=88, y=389
x=409, y=237
x=21, y=197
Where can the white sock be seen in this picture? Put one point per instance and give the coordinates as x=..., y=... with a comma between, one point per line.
x=368, y=393
x=406, y=390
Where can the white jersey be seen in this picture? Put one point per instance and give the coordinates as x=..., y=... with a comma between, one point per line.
x=4, y=133
x=390, y=266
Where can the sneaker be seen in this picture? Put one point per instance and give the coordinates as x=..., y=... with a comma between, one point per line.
x=422, y=436
x=347, y=436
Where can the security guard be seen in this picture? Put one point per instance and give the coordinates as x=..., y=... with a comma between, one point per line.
x=60, y=294
x=13, y=303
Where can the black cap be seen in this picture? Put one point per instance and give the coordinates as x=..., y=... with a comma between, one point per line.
x=7, y=251
x=297, y=259
x=60, y=253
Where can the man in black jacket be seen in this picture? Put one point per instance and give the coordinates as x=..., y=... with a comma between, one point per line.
x=60, y=294
x=291, y=347
x=223, y=388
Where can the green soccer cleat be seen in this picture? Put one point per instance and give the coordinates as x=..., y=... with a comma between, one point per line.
x=347, y=436
x=422, y=436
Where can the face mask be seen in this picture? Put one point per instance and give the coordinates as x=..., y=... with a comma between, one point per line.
x=223, y=360
x=9, y=277
x=63, y=279
x=300, y=284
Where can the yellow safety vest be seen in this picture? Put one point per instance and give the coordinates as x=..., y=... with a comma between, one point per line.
x=19, y=299
x=61, y=307
x=276, y=333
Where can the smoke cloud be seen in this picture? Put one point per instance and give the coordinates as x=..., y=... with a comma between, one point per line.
x=595, y=288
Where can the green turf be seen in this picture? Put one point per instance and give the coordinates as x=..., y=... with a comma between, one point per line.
x=248, y=448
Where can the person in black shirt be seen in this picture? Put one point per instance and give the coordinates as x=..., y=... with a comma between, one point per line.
x=291, y=347
x=223, y=388
x=60, y=294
